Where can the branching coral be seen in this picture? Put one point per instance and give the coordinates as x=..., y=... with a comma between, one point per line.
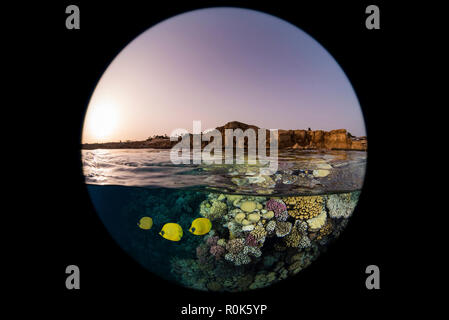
x=221, y=242
x=304, y=207
x=211, y=241
x=218, y=209
x=217, y=251
x=341, y=205
x=278, y=207
x=238, y=253
x=283, y=216
x=238, y=258
x=297, y=234
x=235, y=245
x=251, y=240
x=253, y=251
x=213, y=209
x=304, y=242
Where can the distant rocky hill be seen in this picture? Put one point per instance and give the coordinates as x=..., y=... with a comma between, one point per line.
x=339, y=139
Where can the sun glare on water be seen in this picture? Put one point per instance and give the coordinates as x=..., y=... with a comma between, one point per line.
x=101, y=121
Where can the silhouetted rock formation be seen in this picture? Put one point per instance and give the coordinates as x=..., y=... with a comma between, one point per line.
x=338, y=139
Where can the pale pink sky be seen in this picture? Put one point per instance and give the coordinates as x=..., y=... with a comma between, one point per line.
x=219, y=65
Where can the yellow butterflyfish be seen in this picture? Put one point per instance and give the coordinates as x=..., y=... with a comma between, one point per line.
x=171, y=231
x=200, y=226
x=145, y=223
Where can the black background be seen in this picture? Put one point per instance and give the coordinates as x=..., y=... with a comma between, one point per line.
x=68, y=65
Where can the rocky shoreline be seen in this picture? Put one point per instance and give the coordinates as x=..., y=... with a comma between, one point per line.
x=339, y=139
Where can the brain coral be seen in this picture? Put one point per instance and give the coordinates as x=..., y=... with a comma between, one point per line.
x=304, y=207
x=248, y=206
x=341, y=205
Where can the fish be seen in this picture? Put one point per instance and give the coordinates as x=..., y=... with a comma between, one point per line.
x=200, y=226
x=171, y=231
x=145, y=223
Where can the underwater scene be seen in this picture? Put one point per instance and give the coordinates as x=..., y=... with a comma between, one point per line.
x=224, y=227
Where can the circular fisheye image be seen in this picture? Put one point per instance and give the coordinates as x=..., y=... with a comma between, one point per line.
x=224, y=149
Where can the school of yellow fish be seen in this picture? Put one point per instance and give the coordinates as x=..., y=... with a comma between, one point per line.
x=173, y=231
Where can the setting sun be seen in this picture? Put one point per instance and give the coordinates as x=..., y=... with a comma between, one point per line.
x=101, y=121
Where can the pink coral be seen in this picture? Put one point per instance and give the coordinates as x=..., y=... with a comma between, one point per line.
x=251, y=240
x=217, y=251
x=212, y=241
x=283, y=216
x=279, y=208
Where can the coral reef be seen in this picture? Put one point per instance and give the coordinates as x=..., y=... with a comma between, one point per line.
x=251, y=240
x=257, y=241
x=211, y=241
x=277, y=206
x=283, y=229
x=271, y=225
x=213, y=208
x=325, y=231
x=318, y=221
x=248, y=206
x=304, y=207
x=217, y=251
x=262, y=280
x=238, y=259
x=259, y=233
x=283, y=216
x=235, y=246
x=298, y=236
x=341, y=205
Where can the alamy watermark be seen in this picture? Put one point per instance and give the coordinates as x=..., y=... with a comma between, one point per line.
x=189, y=149
x=73, y=279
